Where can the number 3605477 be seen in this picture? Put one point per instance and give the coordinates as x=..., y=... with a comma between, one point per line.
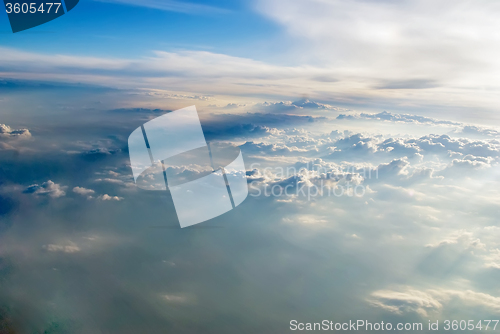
x=32, y=8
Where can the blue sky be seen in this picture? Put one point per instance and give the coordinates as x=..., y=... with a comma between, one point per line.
x=122, y=30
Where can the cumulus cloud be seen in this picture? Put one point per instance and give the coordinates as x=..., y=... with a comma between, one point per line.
x=240, y=130
x=274, y=149
x=345, y=156
x=474, y=130
x=409, y=203
x=83, y=191
x=7, y=132
x=464, y=237
x=492, y=260
x=93, y=150
x=408, y=299
x=100, y=151
x=406, y=118
x=110, y=180
x=106, y=197
x=48, y=188
x=300, y=105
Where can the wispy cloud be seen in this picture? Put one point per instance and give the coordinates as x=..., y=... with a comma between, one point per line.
x=207, y=73
x=401, y=46
x=172, y=6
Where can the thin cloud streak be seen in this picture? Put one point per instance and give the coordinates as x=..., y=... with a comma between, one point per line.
x=171, y=6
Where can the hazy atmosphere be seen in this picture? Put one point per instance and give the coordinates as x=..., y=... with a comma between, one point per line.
x=371, y=138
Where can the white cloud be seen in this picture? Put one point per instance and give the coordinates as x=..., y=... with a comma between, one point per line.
x=83, y=191
x=387, y=116
x=464, y=237
x=492, y=260
x=7, y=132
x=304, y=105
x=109, y=180
x=48, y=188
x=205, y=73
x=409, y=300
x=171, y=5
x=308, y=220
x=430, y=49
x=106, y=197
x=405, y=208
